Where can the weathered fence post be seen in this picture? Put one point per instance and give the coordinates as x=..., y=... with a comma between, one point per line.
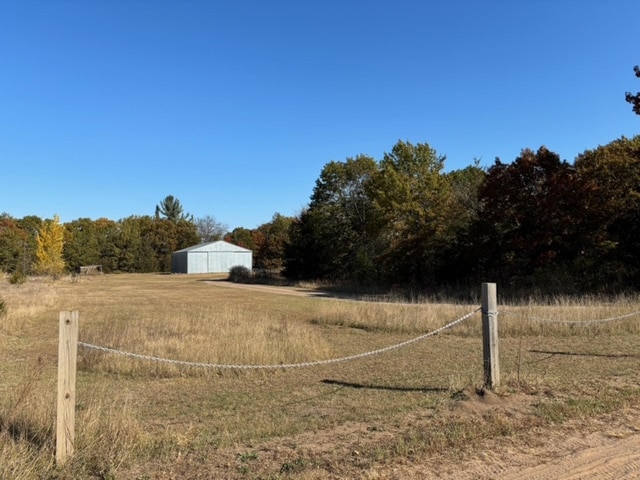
x=490, y=336
x=66, y=410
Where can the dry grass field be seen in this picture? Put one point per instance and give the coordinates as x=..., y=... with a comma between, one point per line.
x=421, y=404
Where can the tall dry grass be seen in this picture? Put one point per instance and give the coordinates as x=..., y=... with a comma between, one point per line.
x=572, y=316
x=133, y=411
x=228, y=335
x=108, y=434
x=388, y=317
x=562, y=315
x=24, y=301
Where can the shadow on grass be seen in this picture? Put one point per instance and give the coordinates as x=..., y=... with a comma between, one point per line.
x=20, y=431
x=583, y=354
x=385, y=387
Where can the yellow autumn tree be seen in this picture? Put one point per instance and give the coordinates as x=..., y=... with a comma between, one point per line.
x=50, y=242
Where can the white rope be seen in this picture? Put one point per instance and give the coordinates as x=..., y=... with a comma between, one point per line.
x=571, y=322
x=270, y=367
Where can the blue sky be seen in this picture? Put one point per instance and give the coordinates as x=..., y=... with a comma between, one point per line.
x=234, y=107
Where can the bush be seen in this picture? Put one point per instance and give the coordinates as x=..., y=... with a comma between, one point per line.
x=17, y=278
x=268, y=277
x=239, y=274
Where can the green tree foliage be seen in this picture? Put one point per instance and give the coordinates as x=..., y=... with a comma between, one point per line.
x=413, y=200
x=611, y=175
x=333, y=237
x=145, y=244
x=134, y=244
x=243, y=237
x=537, y=222
x=127, y=245
x=50, y=245
x=30, y=226
x=397, y=221
x=272, y=239
x=634, y=100
x=13, y=242
x=458, y=259
x=106, y=233
x=171, y=209
x=268, y=242
x=169, y=237
x=82, y=243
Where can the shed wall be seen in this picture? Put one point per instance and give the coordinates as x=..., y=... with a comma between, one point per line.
x=209, y=262
x=220, y=262
x=179, y=262
x=198, y=262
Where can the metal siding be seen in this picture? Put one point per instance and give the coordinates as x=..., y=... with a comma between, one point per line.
x=222, y=262
x=198, y=262
x=219, y=246
x=215, y=257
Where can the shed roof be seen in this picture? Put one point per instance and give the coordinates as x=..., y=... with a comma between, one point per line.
x=218, y=246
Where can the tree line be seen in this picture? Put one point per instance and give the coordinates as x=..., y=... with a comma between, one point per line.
x=136, y=244
x=536, y=222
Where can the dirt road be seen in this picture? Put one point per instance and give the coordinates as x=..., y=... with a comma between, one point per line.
x=605, y=455
x=602, y=448
x=607, y=459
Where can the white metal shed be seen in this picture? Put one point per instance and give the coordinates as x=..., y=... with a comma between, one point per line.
x=211, y=257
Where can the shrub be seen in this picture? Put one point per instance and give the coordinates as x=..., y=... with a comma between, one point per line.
x=17, y=278
x=239, y=274
x=268, y=277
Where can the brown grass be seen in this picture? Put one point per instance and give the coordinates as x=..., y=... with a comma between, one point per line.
x=137, y=417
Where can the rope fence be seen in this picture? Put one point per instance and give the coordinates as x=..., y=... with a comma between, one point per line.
x=217, y=366
x=68, y=343
x=279, y=366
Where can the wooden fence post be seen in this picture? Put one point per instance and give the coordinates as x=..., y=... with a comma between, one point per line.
x=490, y=336
x=66, y=410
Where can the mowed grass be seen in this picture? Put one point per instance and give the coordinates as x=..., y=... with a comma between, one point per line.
x=138, y=418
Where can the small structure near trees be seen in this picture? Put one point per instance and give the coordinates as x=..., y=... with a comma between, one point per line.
x=90, y=270
x=211, y=257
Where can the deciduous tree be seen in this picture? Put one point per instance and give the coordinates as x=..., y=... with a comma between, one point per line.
x=459, y=257
x=13, y=243
x=82, y=244
x=209, y=229
x=413, y=200
x=272, y=246
x=611, y=173
x=50, y=245
x=533, y=210
x=243, y=237
x=333, y=237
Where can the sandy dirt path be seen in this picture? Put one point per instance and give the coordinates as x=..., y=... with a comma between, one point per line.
x=614, y=459
x=596, y=449
x=576, y=457
x=295, y=291
x=618, y=460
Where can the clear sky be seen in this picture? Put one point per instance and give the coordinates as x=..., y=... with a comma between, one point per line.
x=234, y=106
